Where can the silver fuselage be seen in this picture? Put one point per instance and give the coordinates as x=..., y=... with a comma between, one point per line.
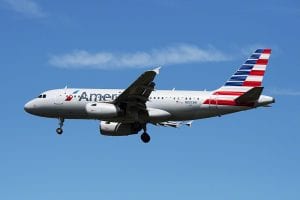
x=182, y=105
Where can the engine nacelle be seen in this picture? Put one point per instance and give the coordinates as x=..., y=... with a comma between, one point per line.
x=118, y=129
x=102, y=110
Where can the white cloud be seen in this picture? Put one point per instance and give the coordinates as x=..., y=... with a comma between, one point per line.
x=26, y=7
x=172, y=55
x=284, y=92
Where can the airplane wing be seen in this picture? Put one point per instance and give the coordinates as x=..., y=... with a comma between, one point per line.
x=175, y=124
x=133, y=99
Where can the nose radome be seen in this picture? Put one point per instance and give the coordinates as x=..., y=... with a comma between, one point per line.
x=29, y=106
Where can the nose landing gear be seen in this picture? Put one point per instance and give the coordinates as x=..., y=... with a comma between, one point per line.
x=61, y=124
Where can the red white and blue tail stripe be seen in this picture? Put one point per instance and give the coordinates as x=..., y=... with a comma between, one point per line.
x=248, y=76
x=252, y=71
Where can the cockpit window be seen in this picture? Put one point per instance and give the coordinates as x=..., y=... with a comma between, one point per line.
x=42, y=96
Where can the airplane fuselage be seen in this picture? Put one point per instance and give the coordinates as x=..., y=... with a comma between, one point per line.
x=181, y=105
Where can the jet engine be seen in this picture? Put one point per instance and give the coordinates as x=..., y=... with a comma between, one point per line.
x=102, y=110
x=119, y=129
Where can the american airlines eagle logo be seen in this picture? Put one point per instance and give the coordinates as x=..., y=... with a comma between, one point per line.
x=70, y=96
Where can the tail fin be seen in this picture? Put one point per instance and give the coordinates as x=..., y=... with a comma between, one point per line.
x=244, y=86
x=251, y=73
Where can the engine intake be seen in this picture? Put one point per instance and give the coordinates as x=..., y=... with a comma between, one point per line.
x=119, y=129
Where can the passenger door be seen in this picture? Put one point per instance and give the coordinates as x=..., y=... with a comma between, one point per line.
x=60, y=98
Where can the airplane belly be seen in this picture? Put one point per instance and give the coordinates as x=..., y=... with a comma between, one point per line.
x=179, y=111
x=67, y=110
x=183, y=111
x=75, y=110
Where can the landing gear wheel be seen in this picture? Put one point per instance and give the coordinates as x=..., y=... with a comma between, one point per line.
x=145, y=137
x=59, y=131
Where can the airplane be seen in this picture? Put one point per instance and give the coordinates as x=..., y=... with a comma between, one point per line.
x=126, y=112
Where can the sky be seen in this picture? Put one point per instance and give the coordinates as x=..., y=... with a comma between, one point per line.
x=107, y=44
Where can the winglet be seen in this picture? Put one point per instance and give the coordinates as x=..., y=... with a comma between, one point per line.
x=156, y=70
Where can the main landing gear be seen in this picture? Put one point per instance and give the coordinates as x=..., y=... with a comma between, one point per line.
x=59, y=130
x=145, y=137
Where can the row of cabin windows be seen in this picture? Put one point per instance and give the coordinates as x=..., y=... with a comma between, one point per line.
x=178, y=98
x=186, y=98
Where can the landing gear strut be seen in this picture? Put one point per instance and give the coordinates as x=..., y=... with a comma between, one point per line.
x=61, y=124
x=145, y=137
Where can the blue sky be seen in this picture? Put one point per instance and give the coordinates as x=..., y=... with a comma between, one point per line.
x=107, y=44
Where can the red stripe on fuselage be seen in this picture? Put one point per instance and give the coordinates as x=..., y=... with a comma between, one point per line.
x=223, y=102
x=233, y=93
x=220, y=102
x=206, y=101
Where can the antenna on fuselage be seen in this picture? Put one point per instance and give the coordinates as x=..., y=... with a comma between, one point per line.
x=66, y=87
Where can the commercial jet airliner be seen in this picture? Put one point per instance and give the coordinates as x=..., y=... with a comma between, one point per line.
x=126, y=112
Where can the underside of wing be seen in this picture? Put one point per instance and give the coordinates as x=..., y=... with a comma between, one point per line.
x=133, y=100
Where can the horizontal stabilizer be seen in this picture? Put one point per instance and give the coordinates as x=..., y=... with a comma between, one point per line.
x=189, y=123
x=251, y=96
x=176, y=124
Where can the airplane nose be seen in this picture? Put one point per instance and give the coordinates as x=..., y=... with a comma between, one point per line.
x=29, y=106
